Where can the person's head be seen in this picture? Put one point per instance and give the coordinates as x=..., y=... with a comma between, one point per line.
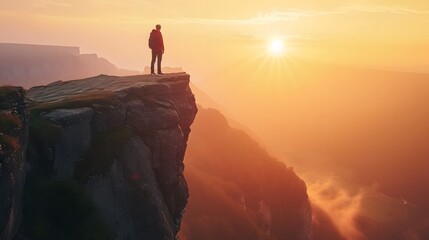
x=158, y=27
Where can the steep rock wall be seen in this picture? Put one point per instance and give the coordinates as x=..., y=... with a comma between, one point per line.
x=13, y=146
x=106, y=158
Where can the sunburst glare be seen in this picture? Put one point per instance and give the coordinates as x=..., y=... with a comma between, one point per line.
x=276, y=47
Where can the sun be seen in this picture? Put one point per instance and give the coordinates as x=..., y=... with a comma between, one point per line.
x=276, y=47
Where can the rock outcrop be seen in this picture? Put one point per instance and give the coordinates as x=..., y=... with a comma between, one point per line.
x=13, y=146
x=113, y=147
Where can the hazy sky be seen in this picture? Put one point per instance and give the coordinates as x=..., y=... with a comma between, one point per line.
x=203, y=36
x=223, y=45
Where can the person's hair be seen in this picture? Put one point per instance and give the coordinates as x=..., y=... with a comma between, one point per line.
x=158, y=26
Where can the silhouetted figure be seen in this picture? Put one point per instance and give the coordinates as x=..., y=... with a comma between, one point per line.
x=156, y=43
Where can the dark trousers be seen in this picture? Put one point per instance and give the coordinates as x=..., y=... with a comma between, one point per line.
x=155, y=55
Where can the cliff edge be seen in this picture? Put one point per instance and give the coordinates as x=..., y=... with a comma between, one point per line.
x=106, y=158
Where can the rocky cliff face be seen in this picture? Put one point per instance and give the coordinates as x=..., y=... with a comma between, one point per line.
x=106, y=156
x=13, y=146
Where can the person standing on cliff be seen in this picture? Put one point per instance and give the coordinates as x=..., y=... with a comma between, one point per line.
x=156, y=44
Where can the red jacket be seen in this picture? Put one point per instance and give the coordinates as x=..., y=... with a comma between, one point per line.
x=156, y=43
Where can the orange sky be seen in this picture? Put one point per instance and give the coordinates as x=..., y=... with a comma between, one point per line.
x=206, y=36
x=291, y=103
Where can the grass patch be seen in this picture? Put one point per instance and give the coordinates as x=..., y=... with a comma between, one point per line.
x=6, y=93
x=76, y=101
x=99, y=158
x=60, y=210
x=4, y=90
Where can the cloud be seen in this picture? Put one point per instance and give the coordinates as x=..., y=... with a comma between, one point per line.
x=53, y=4
x=261, y=19
x=78, y=4
x=296, y=14
x=394, y=10
x=80, y=8
x=342, y=206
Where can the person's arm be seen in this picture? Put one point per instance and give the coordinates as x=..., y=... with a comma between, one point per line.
x=162, y=44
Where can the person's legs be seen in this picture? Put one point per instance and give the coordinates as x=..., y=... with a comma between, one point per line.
x=152, y=63
x=159, y=62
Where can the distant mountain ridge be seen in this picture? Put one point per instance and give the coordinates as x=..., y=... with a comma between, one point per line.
x=29, y=64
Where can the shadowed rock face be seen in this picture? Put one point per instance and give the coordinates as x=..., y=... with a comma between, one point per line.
x=13, y=145
x=120, y=141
